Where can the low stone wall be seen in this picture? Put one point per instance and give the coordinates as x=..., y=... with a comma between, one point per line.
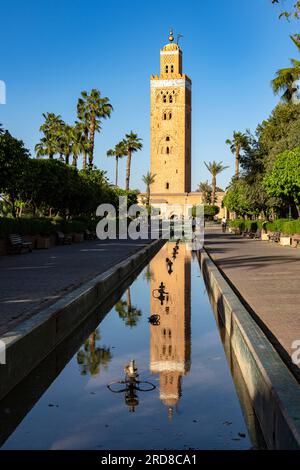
x=31, y=341
x=34, y=385
x=285, y=239
x=274, y=391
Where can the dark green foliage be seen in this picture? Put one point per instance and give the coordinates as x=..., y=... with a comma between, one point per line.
x=14, y=158
x=243, y=224
x=269, y=182
x=280, y=132
x=43, y=226
x=284, y=226
x=284, y=179
x=211, y=211
x=44, y=196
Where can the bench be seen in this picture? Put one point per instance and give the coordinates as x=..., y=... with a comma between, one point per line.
x=246, y=233
x=275, y=237
x=235, y=230
x=257, y=235
x=18, y=244
x=63, y=239
x=295, y=241
x=88, y=235
x=250, y=234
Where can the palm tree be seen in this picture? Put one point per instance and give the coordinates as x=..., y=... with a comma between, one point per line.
x=133, y=143
x=148, y=179
x=205, y=189
x=214, y=168
x=65, y=141
x=91, y=109
x=83, y=126
x=118, y=151
x=127, y=311
x=91, y=357
x=285, y=81
x=77, y=143
x=148, y=275
x=239, y=142
x=49, y=143
x=1, y=129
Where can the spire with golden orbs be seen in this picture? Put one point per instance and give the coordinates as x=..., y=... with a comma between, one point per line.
x=171, y=37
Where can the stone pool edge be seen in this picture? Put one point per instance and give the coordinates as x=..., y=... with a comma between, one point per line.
x=32, y=340
x=272, y=387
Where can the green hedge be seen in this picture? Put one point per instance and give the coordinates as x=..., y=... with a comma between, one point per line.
x=284, y=225
x=245, y=224
x=43, y=226
x=279, y=225
x=211, y=211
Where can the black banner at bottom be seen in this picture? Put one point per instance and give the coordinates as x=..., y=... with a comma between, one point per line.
x=135, y=459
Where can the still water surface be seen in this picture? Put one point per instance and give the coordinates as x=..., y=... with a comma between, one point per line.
x=194, y=404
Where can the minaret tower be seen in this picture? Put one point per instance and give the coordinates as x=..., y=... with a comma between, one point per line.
x=171, y=124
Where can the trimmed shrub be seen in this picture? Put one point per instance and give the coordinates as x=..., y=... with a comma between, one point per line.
x=287, y=226
x=43, y=226
x=211, y=211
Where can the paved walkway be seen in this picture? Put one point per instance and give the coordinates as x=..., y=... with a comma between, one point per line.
x=268, y=278
x=31, y=281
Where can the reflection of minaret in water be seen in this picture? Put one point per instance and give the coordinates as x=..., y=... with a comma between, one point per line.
x=170, y=342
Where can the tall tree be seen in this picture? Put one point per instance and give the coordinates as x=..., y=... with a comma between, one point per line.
x=65, y=140
x=215, y=168
x=91, y=110
x=83, y=127
x=133, y=143
x=127, y=312
x=205, y=189
x=284, y=178
x=90, y=358
x=77, y=143
x=49, y=143
x=14, y=158
x=285, y=80
x=239, y=142
x=148, y=179
x=118, y=151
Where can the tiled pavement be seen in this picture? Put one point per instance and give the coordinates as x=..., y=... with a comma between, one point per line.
x=31, y=281
x=268, y=278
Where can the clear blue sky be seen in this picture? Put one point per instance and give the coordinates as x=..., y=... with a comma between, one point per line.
x=51, y=50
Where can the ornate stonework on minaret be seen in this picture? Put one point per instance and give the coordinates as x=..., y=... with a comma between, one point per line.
x=171, y=124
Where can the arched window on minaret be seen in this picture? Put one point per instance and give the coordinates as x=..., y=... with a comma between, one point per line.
x=170, y=115
x=167, y=138
x=164, y=98
x=172, y=68
x=166, y=68
x=171, y=99
x=164, y=116
x=167, y=150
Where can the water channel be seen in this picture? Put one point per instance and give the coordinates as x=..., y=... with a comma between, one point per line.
x=154, y=373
